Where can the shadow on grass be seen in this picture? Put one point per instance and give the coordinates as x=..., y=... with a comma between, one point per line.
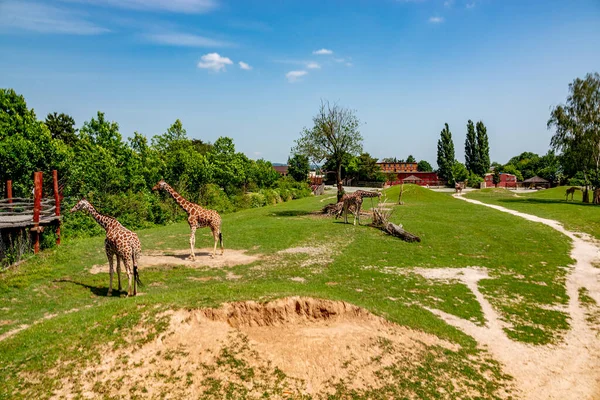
x=290, y=213
x=100, y=291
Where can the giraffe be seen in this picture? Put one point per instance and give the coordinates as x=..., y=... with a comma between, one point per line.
x=120, y=242
x=458, y=188
x=571, y=191
x=198, y=217
x=355, y=199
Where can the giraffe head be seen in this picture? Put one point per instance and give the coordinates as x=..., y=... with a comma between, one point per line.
x=160, y=185
x=82, y=205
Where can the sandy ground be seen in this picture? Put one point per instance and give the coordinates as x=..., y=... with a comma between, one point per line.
x=230, y=258
x=569, y=370
x=315, y=343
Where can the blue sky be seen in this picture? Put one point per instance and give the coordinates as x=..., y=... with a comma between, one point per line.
x=256, y=70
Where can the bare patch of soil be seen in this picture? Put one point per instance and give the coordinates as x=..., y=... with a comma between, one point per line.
x=180, y=257
x=286, y=348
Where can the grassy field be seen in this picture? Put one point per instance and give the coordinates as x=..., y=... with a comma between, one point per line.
x=551, y=204
x=70, y=319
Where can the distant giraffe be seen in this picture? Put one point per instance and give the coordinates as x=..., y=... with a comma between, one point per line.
x=571, y=191
x=198, y=217
x=120, y=242
x=355, y=200
x=457, y=188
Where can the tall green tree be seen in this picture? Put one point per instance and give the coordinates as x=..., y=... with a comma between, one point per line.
x=335, y=132
x=471, y=149
x=368, y=170
x=298, y=167
x=483, y=148
x=26, y=145
x=577, y=128
x=62, y=127
x=459, y=173
x=410, y=159
x=496, y=177
x=445, y=154
x=424, y=166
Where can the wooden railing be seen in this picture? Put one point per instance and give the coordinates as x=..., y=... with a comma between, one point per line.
x=19, y=212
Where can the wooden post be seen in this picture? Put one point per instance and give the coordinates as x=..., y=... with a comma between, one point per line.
x=57, y=203
x=37, y=205
x=9, y=191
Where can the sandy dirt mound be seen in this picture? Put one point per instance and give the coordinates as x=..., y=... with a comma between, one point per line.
x=286, y=348
x=180, y=257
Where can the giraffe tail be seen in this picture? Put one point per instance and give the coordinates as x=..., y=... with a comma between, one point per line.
x=136, y=273
x=221, y=239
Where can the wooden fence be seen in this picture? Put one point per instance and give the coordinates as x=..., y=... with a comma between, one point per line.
x=19, y=212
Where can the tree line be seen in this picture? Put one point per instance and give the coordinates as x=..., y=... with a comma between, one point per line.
x=117, y=175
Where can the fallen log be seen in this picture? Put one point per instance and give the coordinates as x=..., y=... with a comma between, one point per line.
x=398, y=231
x=381, y=216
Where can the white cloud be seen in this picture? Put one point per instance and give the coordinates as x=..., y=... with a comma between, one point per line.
x=448, y=3
x=436, y=20
x=176, y=6
x=349, y=64
x=46, y=19
x=245, y=66
x=323, y=52
x=293, y=76
x=214, y=61
x=185, y=40
x=471, y=5
x=312, y=65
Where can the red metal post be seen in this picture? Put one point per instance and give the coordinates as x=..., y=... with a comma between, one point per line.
x=57, y=202
x=37, y=205
x=9, y=191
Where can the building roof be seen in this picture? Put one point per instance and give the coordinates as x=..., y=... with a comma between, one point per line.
x=282, y=169
x=412, y=178
x=535, y=179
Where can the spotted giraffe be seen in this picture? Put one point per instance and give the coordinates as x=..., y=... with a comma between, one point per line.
x=355, y=200
x=198, y=217
x=120, y=242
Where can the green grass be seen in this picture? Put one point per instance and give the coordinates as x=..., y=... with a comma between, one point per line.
x=574, y=215
x=362, y=266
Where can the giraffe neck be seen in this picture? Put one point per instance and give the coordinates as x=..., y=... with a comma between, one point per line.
x=183, y=203
x=103, y=220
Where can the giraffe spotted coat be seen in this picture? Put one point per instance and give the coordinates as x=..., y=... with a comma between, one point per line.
x=198, y=217
x=355, y=200
x=119, y=242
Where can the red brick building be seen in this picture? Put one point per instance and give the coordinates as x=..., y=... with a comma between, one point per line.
x=397, y=166
x=403, y=172
x=506, y=180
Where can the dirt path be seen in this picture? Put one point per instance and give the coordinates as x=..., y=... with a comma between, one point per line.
x=569, y=370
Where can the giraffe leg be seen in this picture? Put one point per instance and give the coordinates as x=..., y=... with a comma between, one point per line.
x=119, y=273
x=345, y=210
x=127, y=262
x=192, y=243
x=215, y=233
x=110, y=271
x=357, y=215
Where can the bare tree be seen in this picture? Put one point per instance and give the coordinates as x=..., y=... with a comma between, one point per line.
x=335, y=133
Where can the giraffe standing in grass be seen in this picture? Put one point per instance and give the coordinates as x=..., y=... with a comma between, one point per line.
x=355, y=200
x=120, y=242
x=198, y=217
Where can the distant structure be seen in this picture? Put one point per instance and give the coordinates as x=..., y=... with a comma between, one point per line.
x=398, y=166
x=506, y=180
x=281, y=169
x=403, y=172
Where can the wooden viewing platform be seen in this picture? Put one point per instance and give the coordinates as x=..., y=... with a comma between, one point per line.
x=19, y=213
